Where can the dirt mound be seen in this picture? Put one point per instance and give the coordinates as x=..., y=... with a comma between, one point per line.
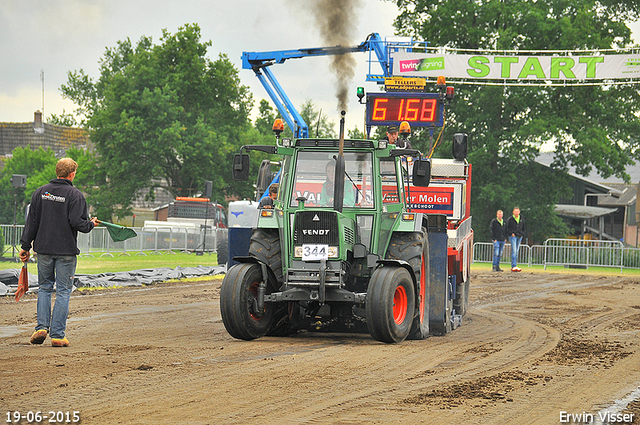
x=488, y=389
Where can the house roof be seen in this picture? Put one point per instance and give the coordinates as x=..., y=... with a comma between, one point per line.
x=581, y=211
x=628, y=196
x=28, y=134
x=546, y=158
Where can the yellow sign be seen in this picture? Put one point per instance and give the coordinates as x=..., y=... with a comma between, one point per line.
x=405, y=84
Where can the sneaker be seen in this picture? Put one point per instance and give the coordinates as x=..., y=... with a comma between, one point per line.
x=516, y=269
x=499, y=269
x=57, y=342
x=39, y=336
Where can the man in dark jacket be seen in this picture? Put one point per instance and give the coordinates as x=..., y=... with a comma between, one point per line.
x=498, y=236
x=515, y=230
x=58, y=212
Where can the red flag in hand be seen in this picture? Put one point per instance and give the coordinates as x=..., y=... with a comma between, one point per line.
x=23, y=282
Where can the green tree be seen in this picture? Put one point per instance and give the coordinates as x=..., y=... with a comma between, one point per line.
x=590, y=126
x=163, y=116
x=265, y=119
x=64, y=119
x=319, y=124
x=38, y=165
x=355, y=134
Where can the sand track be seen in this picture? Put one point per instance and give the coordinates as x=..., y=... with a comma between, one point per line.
x=531, y=347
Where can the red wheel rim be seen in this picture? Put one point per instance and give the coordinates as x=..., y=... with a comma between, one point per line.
x=253, y=294
x=399, y=305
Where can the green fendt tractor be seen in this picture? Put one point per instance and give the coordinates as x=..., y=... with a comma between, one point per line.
x=341, y=250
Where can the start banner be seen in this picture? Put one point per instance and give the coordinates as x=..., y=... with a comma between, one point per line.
x=509, y=67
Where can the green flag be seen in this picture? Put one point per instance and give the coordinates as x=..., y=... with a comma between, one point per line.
x=119, y=233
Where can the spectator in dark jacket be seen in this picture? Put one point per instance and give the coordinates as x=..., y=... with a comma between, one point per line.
x=58, y=212
x=515, y=231
x=499, y=237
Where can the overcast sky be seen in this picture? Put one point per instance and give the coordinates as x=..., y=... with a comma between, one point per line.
x=59, y=36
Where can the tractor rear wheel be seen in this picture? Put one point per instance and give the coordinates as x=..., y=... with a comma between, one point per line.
x=414, y=248
x=461, y=302
x=238, y=303
x=441, y=309
x=390, y=304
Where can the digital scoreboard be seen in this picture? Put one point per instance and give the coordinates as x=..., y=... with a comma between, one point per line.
x=418, y=109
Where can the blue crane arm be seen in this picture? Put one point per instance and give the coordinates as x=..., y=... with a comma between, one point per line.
x=260, y=62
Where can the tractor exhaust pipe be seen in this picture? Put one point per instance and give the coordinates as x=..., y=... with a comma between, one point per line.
x=338, y=191
x=341, y=145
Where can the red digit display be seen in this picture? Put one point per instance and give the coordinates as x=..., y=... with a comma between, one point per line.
x=419, y=109
x=428, y=110
x=411, y=112
x=380, y=109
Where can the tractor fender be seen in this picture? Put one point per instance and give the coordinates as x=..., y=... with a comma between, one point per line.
x=403, y=264
x=271, y=278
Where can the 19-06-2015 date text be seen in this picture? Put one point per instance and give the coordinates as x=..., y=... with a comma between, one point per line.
x=40, y=417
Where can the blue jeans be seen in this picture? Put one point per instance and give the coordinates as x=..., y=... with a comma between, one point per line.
x=498, y=247
x=58, y=269
x=515, y=246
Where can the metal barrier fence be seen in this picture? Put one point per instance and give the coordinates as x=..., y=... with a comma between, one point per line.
x=566, y=252
x=483, y=252
x=12, y=236
x=150, y=240
x=582, y=253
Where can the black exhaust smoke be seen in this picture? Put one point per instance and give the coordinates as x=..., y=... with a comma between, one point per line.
x=337, y=21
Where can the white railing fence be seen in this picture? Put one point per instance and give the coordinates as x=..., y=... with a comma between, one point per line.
x=150, y=240
x=566, y=252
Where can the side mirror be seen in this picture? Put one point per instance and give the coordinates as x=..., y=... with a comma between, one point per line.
x=241, y=166
x=422, y=172
x=459, y=150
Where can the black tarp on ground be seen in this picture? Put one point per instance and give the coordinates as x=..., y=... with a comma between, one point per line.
x=9, y=278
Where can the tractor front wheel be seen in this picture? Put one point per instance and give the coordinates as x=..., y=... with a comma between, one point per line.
x=238, y=303
x=390, y=304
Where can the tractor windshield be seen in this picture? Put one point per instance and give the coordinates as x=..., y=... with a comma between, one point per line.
x=314, y=176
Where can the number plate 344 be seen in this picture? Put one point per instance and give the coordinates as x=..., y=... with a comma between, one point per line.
x=315, y=252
